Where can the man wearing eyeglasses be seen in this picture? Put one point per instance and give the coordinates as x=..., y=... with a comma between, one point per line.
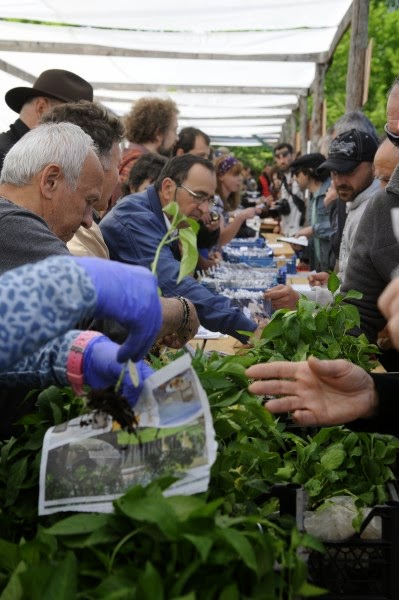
x=291, y=207
x=136, y=225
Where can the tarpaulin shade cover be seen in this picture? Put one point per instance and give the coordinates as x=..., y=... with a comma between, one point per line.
x=236, y=69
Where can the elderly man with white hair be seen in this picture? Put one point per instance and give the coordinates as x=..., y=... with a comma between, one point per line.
x=49, y=182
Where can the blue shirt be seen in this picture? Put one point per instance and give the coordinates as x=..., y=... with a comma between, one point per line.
x=133, y=231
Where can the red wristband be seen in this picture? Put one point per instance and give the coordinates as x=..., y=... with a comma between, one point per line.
x=75, y=360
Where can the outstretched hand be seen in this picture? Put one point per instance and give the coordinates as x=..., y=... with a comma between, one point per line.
x=282, y=296
x=316, y=392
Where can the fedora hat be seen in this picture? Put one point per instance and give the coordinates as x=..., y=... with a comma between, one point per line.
x=54, y=83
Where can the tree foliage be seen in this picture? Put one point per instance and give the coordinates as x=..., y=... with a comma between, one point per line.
x=253, y=156
x=383, y=28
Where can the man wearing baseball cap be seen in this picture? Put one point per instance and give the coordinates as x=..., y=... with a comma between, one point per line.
x=350, y=162
x=52, y=87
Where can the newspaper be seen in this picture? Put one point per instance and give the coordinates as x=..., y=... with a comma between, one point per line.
x=89, y=461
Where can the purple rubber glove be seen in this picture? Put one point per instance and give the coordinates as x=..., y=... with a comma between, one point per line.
x=129, y=295
x=101, y=368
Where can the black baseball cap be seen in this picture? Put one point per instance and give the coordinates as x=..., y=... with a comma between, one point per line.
x=348, y=150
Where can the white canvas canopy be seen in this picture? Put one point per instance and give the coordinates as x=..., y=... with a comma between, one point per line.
x=236, y=69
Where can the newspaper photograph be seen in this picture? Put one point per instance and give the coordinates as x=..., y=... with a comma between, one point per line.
x=90, y=461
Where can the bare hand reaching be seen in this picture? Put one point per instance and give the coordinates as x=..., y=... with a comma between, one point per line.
x=316, y=392
x=282, y=296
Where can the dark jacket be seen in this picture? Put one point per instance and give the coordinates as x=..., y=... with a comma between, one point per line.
x=373, y=257
x=387, y=418
x=9, y=138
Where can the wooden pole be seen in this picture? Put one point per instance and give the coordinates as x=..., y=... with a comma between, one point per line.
x=293, y=130
x=303, y=124
x=318, y=98
x=357, y=55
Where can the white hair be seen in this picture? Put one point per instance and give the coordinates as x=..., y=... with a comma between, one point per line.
x=64, y=144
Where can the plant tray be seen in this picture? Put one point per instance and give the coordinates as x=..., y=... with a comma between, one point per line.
x=355, y=569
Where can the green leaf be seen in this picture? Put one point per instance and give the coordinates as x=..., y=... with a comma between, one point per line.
x=202, y=543
x=17, y=474
x=188, y=239
x=272, y=329
x=9, y=556
x=193, y=224
x=333, y=282
x=308, y=322
x=352, y=315
x=171, y=209
x=309, y=590
x=353, y=294
x=150, y=509
x=230, y=592
x=291, y=329
x=79, y=524
x=63, y=582
x=115, y=587
x=150, y=586
x=241, y=545
x=333, y=457
x=13, y=589
x=183, y=506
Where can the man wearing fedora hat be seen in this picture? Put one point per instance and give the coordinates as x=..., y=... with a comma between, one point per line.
x=52, y=87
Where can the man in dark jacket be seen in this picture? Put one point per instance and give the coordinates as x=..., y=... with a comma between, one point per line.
x=52, y=87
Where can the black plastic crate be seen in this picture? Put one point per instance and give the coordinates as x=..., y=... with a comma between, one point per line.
x=361, y=569
x=353, y=569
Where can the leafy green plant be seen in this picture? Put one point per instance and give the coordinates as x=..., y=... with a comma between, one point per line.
x=321, y=331
x=337, y=461
x=157, y=547
x=20, y=461
x=151, y=547
x=185, y=230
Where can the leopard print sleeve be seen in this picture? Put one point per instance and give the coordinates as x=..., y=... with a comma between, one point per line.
x=40, y=301
x=46, y=366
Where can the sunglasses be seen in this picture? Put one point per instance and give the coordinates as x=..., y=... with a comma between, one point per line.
x=282, y=154
x=198, y=197
x=394, y=139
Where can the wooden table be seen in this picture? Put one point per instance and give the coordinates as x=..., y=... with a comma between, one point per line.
x=282, y=248
x=227, y=345
x=268, y=225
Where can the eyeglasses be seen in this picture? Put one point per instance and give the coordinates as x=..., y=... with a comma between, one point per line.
x=283, y=154
x=394, y=139
x=198, y=197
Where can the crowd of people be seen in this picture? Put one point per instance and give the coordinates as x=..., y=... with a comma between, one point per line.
x=90, y=218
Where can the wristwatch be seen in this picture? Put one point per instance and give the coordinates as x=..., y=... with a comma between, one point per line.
x=75, y=360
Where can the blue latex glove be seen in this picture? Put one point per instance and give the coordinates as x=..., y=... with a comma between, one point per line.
x=102, y=369
x=129, y=295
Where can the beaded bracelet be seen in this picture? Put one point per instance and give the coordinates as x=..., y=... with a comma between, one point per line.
x=186, y=312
